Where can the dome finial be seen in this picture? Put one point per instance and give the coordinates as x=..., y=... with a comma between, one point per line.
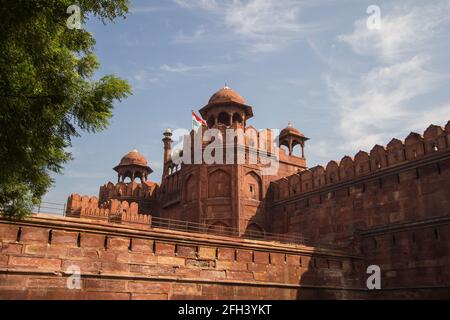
x=225, y=95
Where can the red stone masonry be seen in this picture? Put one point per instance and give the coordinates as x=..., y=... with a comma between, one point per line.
x=392, y=206
x=129, y=262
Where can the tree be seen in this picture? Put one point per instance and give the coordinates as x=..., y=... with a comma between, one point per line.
x=48, y=92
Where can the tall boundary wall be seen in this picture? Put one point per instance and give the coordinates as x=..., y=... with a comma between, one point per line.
x=136, y=262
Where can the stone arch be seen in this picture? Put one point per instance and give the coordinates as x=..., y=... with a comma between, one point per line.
x=254, y=230
x=284, y=149
x=219, y=184
x=224, y=118
x=251, y=137
x=127, y=175
x=237, y=117
x=253, y=186
x=190, y=190
x=297, y=150
x=139, y=175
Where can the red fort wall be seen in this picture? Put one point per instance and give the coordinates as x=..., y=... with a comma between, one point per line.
x=392, y=206
x=130, y=262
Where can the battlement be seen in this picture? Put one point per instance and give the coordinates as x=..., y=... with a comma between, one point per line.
x=112, y=210
x=145, y=190
x=434, y=140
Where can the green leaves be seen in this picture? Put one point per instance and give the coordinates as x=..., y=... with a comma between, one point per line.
x=47, y=94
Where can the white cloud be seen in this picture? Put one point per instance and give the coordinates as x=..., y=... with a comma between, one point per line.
x=182, y=68
x=262, y=25
x=203, y=4
x=403, y=31
x=145, y=78
x=373, y=105
x=263, y=18
x=384, y=102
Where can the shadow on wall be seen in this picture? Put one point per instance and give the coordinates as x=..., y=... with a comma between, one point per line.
x=322, y=277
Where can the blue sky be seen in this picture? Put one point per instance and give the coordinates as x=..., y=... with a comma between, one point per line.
x=314, y=63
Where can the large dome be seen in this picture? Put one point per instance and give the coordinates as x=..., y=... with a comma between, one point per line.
x=133, y=158
x=226, y=94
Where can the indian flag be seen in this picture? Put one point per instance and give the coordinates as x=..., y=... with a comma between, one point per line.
x=197, y=122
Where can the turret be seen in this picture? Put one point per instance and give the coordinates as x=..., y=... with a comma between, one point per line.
x=290, y=137
x=133, y=165
x=228, y=108
x=167, y=140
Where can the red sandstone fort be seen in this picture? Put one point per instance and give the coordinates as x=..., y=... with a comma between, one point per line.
x=227, y=231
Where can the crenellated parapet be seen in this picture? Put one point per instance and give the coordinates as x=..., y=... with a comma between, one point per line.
x=143, y=190
x=125, y=212
x=82, y=206
x=434, y=140
x=112, y=210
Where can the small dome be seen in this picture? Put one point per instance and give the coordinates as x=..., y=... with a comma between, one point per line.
x=133, y=158
x=226, y=94
x=291, y=130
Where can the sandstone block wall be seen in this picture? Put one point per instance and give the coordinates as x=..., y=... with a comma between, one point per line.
x=392, y=206
x=125, y=262
x=402, y=182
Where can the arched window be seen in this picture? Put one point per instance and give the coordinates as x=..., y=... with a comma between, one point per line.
x=254, y=231
x=237, y=118
x=224, y=118
x=127, y=177
x=219, y=184
x=253, y=184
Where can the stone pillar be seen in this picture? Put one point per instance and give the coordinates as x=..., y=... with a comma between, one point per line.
x=290, y=146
